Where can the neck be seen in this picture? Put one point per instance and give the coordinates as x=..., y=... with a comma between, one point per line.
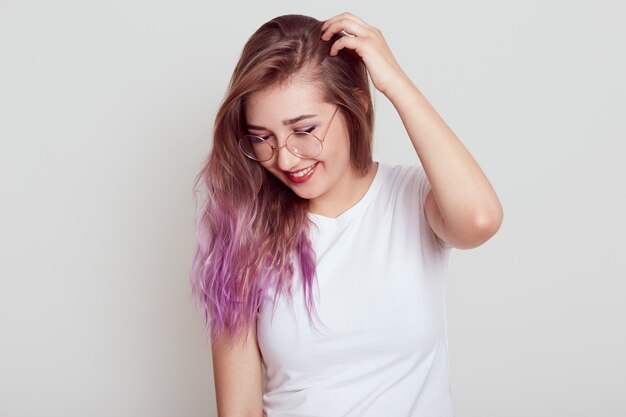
x=345, y=195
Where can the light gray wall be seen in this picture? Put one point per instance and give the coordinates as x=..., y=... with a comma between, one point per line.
x=106, y=110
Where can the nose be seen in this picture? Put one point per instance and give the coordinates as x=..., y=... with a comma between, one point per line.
x=286, y=160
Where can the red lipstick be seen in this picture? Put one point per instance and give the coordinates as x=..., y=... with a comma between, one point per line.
x=300, y=179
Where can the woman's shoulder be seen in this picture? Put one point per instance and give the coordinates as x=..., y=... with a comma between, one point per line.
x=401, y=174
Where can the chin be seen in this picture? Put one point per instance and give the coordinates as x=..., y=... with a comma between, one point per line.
x=303, y=194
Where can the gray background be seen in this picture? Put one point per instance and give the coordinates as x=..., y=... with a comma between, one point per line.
x=106, y=110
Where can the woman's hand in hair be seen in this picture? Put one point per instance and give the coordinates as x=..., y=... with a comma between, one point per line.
x=370, y=45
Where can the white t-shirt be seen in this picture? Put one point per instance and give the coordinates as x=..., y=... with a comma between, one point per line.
x=381, y=350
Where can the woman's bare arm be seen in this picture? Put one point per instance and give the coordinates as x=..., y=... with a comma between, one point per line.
x=237, y=370
x=462, y=207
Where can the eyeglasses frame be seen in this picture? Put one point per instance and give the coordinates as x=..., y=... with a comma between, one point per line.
x=277, y=148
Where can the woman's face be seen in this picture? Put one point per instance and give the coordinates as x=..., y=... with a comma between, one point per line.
x=276, y=112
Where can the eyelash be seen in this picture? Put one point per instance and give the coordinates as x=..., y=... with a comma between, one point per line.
x=308, y=130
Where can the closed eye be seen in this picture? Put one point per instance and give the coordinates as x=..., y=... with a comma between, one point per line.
x=307, y=130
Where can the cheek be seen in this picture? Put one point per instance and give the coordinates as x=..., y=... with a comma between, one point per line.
x=338, y=153
x=338, y=148
x=344, y=147
x=269, y=165
x=343, y=141
x=267, y=168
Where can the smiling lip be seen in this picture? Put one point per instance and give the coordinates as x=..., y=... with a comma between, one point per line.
x=303, y=178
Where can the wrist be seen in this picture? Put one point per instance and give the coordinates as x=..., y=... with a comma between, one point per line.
x=401, y=90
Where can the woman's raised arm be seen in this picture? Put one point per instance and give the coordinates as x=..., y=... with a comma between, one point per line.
x=462, y=207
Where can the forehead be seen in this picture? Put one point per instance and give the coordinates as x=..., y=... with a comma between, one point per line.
x=283, y=101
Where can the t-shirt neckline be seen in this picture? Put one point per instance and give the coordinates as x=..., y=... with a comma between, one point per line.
x=357, y=207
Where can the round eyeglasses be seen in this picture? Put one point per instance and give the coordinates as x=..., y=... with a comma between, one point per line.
x=301, y=144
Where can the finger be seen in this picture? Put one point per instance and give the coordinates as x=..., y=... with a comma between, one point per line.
x=358, y=20
x=342, y=16
x=345, y=42
x=347, y=25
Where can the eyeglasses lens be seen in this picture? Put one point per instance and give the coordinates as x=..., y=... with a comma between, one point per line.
x=301, y=144
x=304, y=145
x=256, y=147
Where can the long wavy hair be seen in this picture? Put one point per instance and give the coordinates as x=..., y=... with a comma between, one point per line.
x=251, y=227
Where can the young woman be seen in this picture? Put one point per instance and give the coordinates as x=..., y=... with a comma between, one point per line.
x=315, y=262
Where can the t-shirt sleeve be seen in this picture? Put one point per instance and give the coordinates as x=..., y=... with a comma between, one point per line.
x=421, y=185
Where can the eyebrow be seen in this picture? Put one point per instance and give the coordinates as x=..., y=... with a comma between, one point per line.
x=285, y=122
